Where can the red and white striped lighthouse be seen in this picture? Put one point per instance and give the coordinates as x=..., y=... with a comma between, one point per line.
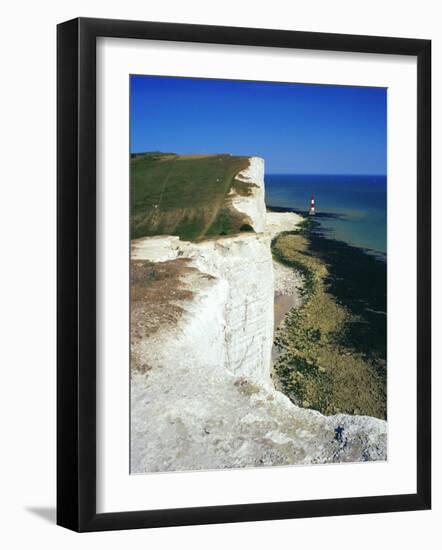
x=312, y=206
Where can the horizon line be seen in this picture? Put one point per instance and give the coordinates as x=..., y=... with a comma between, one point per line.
x=144, y=152
x=322, y=174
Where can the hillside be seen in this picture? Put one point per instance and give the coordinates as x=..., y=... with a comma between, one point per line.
x=189, y=196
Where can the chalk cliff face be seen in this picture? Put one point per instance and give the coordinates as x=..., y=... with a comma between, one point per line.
x=254, y=204
x=205, y=398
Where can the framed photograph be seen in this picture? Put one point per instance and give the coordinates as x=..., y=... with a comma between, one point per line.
x=243, y=274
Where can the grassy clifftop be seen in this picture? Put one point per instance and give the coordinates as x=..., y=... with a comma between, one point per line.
x=186, y=195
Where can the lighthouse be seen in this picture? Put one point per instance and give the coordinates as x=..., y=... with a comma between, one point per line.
x=312, y=206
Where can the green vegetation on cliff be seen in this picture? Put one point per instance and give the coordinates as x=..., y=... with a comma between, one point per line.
x=332, y=354
x=186, y=195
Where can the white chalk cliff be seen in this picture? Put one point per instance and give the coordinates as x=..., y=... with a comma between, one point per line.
x=206, y=399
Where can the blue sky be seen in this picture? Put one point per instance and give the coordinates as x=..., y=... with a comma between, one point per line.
x=296, y=128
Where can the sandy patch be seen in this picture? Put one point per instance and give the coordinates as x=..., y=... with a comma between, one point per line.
x=282, y=221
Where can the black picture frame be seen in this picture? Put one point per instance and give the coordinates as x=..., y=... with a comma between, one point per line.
x=76, y=274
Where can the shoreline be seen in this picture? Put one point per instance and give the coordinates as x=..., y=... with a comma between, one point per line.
x=214, y=416
x=379, y=254
x=202, y=321
x=340, y=345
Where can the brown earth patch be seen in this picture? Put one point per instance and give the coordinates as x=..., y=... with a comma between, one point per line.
x=155, y=292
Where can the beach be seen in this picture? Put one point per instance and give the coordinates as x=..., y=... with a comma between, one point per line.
x=330, y=323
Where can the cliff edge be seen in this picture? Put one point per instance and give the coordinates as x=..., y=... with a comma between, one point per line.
x=201, y=342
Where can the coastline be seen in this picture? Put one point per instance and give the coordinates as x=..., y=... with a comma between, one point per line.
x=202, y=332
x=325, y=232
x=330, y=349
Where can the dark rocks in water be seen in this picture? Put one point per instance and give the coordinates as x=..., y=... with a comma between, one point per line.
x=332, y=215
x=359, y=282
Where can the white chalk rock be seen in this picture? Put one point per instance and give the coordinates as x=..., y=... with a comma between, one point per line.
x=254, y=204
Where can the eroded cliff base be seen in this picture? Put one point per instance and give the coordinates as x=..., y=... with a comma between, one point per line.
x=201, y=395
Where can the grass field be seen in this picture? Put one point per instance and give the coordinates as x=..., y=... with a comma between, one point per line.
x=185, y=195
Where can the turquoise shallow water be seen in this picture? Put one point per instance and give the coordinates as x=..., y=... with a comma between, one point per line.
x=352, y=209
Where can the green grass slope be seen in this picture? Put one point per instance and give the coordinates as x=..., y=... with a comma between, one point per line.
x=186, y=195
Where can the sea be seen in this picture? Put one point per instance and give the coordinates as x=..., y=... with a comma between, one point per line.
x=352, y=209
